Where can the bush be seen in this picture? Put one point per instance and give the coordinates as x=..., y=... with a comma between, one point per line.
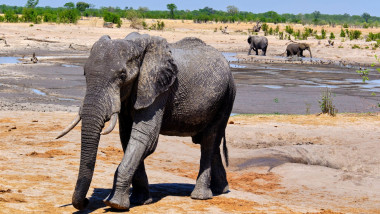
x=355, y=34
x=30, y=15
x=373, y=36
x=112, y=17
x=332, y=36
x=264, y=27
x=277, y=29
x=281, y=35
x=157, y=26
x=2, y=19
x=135, y=19
x=68, y=16
x=345, y=25
x=342, y=33
x=323, y=33
x=289, y=29
x=270, y=31
x=326, y=104
x=355, y=47
x=11, y=16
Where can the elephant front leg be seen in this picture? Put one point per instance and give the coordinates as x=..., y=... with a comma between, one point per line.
x=144, y=135
x=202, y=189
x=140, y=192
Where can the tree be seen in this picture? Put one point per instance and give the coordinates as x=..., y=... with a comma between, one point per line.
x=82, y=6
x=232, y=9
x=69, y=5
x=366, y=16
x=316, y=15
x=171, y=7
x=31, y=3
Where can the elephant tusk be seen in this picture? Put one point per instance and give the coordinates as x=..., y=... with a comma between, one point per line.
x=111, y=126
x=69, y=127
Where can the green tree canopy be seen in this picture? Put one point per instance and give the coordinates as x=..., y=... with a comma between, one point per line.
x=69, y=5
x=31, y=3
x=366, y=16
x=171, y=7
x=232, y=9
x=316, y=15
x=82, y=6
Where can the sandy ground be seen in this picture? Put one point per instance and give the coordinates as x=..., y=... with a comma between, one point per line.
x=279, y=164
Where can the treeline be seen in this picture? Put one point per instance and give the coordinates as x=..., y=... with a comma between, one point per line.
x=70, y=14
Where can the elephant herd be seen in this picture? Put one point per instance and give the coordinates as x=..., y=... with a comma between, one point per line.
x=261, y=42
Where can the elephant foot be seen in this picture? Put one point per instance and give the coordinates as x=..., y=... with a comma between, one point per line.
x=201, y=194
x=118, y=201
x=219, y=189
x=140, y=198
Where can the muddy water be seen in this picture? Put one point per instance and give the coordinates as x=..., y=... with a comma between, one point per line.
x=297, y=88
x=261, y=88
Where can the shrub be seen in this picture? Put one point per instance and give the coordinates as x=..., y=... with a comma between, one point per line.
x=112, y=17
x=326, y=104
x=264, y=27
x=270, y=31
x=11, y=16
x=281, y=35
x=323, y=33
x=373, y=36
x=355, y=47
x=68, y=16
x=277, y=29
x=2, y=19
x=342, y=33
x=355, y=34
x=157, y=26
x=30, y=15
x=135, y=19
x=345, y=25
x=332, y=36
x=289, y=29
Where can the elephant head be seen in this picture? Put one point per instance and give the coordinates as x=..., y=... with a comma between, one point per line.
x=304, y=46
x=136, y=70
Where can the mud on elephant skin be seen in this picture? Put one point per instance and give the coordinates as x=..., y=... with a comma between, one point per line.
x=297, y=49
x=256, y=43
x=153, y=88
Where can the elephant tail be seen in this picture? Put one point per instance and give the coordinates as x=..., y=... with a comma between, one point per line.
x=225, y=149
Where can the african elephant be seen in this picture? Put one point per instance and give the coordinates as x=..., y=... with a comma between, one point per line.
x=152, y=87
x=297, y=49
x=256, y=43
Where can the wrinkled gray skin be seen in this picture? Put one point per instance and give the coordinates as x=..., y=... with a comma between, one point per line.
x=182, y=89
x=256, y=43
x=297, y=49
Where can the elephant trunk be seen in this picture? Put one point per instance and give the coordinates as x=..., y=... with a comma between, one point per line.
x=96, y=111
x=310, y=53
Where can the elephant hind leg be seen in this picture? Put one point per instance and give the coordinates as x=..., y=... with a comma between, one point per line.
x=219, y=183
x=202, y=189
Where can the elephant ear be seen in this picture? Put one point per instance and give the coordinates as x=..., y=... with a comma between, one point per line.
x=157, y=72
x=249, y=40
x=302, y=46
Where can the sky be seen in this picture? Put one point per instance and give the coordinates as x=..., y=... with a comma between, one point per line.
x=352, y=7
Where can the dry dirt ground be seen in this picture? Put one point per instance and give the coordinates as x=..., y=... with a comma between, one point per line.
x=278, y=164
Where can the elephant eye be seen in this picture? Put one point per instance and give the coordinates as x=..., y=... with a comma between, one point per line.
x=123, y=74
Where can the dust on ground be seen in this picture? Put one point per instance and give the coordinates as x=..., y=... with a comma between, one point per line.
x=278, y=164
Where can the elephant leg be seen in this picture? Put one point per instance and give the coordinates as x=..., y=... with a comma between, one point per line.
x=202, y=189
x=264, y=51
x=144, y=136
x=288, y=53
x=140, y=192
x=219, y=183
x=257, y=51
x=301, y=53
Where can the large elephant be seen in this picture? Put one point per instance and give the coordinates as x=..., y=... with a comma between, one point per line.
x=297, y=49
x=182, y=89
x=256, y=43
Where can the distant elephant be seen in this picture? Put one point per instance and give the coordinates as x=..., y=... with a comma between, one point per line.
x=256, y=43
x=181, y=89
x=297, y=49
